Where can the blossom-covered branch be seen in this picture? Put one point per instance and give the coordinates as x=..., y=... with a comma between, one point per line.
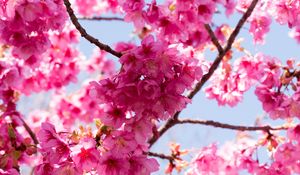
x=86, y=35
x=172, y=121
x=219, y=58
x=98, y=18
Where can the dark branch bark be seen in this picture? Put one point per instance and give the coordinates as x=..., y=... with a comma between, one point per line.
x=86, y=35
x=30, y=132
x=96, y=18
x=213, y=38
x=160, y=155
x=172, y=121
x=229, y=126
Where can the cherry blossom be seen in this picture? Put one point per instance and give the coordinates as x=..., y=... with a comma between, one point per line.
x=121, y=107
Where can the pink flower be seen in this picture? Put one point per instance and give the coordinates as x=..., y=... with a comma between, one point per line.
x=44, y=168
x=148, y=49
x=295, y=104
x=87, y=8
x=227, y=86
x=99, y=62
x=133, y=9
x=259, y=26
x=115, y=116
x=142, y=129
x=47, y=136
x=120, y=143
x=205, y=10
x=274, y=103
x=52, y=145
x=112, y=165
x=67, y=168
x=286, y=12
x=30, y=11
x=148, y=89
x=11, y=171
x=85, y=155
x=168, y=27
x=141, y=165
x=229, y=6
x=294, y=133
x=152, y=13
x=286, y=154
x=295, y=33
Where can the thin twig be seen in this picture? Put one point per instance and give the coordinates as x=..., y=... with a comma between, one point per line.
x=169, y=124
x=96, y=18
x=213, y=38
x=229, y=126
x=160, y=155
x=30, y=132
x=86, y=35
x=172, y=121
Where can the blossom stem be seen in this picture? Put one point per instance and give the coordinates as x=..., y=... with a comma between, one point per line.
x=84, y=34
x=173, y=121
x=266, y=128
x=30, y=132
x=96, y=18
x=161, y=155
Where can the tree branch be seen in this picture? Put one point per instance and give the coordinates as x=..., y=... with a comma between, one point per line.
x=213, y=38
x=229, y=126
x=172, y=121
x=86, y=35
x=30, y=132
x=219, y=58
x=160, y=155
x=169, y=124
x=96, y=18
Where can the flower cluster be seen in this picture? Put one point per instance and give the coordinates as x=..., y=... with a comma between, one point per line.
x=230, y=82
x=59, y=65
x=79, y=152
x=178, y=21
x=24, y=26
x=273, y=81
x=15, y=145
x=149, y=86
x=99, y=62
x=233, y=158
x=279, y=90
x=96, y=7
x=76, y=107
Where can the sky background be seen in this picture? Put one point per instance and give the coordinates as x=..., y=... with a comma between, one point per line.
x=278, y=44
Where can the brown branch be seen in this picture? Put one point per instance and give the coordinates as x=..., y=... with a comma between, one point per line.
x=266, y=128
x=172, y=121
x=86, y=35
x=96, y=18
x=213, y=38
x=219, y=58
x=169, y=124
x=160, y=155
x=30, y=132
